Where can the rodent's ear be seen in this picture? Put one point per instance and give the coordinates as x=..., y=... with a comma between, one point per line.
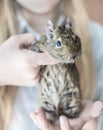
x=68, y=23
x=50, y=29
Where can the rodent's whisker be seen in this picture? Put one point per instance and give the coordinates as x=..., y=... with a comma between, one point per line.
x=88, y=52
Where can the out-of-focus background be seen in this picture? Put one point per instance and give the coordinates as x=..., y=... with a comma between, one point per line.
x=95, y=10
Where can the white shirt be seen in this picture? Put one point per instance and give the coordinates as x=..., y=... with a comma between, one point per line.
x=26, y=100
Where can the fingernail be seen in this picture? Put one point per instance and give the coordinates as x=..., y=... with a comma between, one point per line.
x=33, y=114
x=63, y=119
x=98, y=105
x=38, y=111
x=97, y=109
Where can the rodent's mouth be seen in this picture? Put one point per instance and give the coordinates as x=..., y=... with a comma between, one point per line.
x=66, y=58
x=72, y=59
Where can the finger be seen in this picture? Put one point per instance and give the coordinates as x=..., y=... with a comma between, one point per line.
x=64, y=123
x=40, y=58
x=97, y=109
x=40, y=120
x=76, y=123
x=89, y=110
x=23, y=39
x=90, y=125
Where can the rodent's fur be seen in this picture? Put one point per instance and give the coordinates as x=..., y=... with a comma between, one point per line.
x=9, y=26
x=60, y=85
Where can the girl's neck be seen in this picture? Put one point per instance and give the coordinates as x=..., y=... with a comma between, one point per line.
x=39, y=21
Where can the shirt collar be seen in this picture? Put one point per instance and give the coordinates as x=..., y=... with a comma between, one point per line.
x=24, y=26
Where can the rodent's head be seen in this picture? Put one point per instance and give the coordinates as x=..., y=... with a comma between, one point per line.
x=62, y=43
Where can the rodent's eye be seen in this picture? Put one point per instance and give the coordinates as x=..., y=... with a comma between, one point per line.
x=59, y=44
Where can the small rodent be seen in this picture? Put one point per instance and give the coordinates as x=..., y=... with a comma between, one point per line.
x=60, y=85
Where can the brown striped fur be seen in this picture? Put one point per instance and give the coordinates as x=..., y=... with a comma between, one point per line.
x=60, y=84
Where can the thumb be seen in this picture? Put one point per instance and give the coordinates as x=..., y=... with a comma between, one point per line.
x=97, y=109
x=64, y=123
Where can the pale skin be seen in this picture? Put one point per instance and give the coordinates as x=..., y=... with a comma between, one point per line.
x=87, y=119
x=26, y=73
x=21, y=66
x=48, y=9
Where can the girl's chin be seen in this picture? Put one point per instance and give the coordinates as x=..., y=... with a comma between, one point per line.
x=41, y=11
x=39, y=6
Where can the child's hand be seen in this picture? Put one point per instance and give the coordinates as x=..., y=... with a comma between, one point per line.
x=86, y=121
x=18, y=65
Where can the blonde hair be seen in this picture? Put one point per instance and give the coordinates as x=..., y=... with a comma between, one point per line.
x=8, y=27
x=85, y=65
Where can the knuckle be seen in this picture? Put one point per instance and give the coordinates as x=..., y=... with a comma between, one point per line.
x=14, y=37
x=31, y=36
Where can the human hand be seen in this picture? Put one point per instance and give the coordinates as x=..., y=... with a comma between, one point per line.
x=86, y=121
x=18, y=65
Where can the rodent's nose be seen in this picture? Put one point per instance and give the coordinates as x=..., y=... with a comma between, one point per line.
x=77, y=41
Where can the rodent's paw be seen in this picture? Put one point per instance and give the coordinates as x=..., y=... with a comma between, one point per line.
x=50, y=115
x=72, y=112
